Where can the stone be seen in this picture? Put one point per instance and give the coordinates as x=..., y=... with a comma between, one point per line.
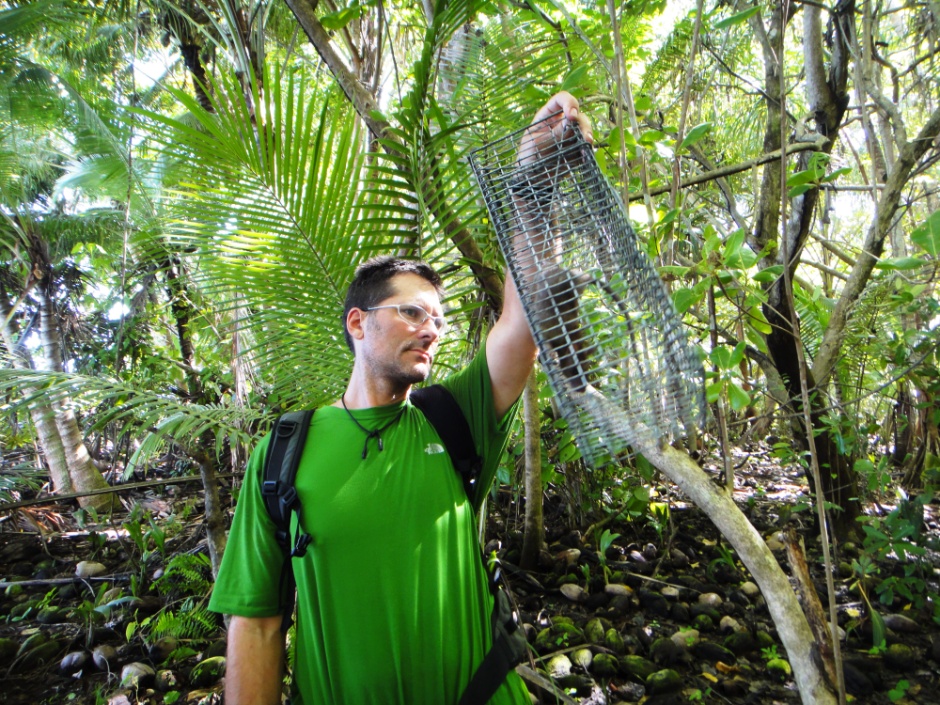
x=8, y=649
x=670, y=592
x=678, y=559
x=710, y=599
x=750, y=589
x=89, y=569
x=52, y=615
x=575, y=593
x=112, y=594
x=729, y=624
x=162, y=648
x=558, y=666
x=614, y=641
x=638, y=667
x=73, y=661
x=901, y=657
x=665, y=652
x=901, y=624
x=679, y=612
x=665, y=681
x=105, y=657
x=135, y=674
x=617, y=589
x=119, y=698
x=741, y=643
x=582, y=658
x=44, y=653
x=23, y=608
x=558, y=636
x=654, y=603
x=697, y=608
x=857, y=683
x=36, y=638
x=620, y=605
x=166, y=680
x=686, y=638
x=780, y=668
x=714, y=653
x=595, y=630
x=208, y=672
x=704, y=623
x=568, y=557
x=604, y=666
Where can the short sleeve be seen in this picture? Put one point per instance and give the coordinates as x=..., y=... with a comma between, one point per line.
x=248, y=584
x=473, y=390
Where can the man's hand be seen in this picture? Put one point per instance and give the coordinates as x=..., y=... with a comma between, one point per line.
x=542, y=140
x=510, y=349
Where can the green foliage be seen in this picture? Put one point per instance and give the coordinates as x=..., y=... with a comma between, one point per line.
x=190, y=621
x=186, y=574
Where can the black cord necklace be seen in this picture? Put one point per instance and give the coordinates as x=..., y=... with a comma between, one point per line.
x=375, y=433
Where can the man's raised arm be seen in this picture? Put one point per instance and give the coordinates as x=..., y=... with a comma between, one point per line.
x=510, y=349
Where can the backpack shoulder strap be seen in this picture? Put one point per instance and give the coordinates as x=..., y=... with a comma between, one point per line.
x=442, y=410
x=280, y=470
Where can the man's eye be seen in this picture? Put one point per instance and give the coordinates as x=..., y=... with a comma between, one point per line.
x=412, y=313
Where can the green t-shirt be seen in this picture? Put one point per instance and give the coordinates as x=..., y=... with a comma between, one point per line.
x=392, y=600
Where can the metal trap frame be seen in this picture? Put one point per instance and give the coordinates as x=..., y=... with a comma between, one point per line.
x=610, y=340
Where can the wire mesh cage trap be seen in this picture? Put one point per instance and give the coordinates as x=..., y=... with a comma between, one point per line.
x=610, y=340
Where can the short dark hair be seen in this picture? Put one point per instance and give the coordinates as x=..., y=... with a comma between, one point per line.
x=372, y=284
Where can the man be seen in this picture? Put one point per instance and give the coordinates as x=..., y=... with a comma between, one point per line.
x=393, y=602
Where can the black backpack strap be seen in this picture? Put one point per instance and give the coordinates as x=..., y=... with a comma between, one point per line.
x=441, y=408
x=280, y=495
x=509, y=644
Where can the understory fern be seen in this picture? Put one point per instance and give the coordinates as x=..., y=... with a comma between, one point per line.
x=186, y=574
x=191, y=621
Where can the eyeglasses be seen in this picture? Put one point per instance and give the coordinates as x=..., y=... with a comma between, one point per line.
x=414, y=315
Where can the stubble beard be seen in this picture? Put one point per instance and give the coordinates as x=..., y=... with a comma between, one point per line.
x=397, y=376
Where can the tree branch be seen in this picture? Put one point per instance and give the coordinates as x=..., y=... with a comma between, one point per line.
x=907, y=160
x=736, y=168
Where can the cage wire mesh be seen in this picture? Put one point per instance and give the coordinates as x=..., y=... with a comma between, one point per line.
x=614, y=349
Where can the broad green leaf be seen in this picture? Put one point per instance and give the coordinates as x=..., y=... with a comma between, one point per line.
x=340, y=18
x=642, y=104
x=737, y=355
x=799, y=190
x=684, y=299
x=802, y=177
x=900, y=263
x=713, y=391
x=738, y=398
x=721, y=358
x=737, y=18
x=836, y=174
x=769, y=274
x=927, y=235
x=878, y=628
x=695, y=134
x=757, y=319
x=651, y=137
x=575, y=79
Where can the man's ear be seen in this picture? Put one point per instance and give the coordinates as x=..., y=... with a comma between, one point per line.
x=355, y=323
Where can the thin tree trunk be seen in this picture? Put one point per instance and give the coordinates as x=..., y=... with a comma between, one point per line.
x=41, y=414
x=82, y=471
x=202, y=449
x=534, y=534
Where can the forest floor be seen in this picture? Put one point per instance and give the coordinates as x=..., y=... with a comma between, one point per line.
x=673, y=618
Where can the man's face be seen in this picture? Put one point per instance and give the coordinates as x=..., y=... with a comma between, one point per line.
x=391, y=347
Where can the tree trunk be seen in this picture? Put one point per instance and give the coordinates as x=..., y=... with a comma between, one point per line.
x=792, y=625
x=828, y=99
x=200, y=450
x=84, y=475
x=534, y=535
x=41, y=414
